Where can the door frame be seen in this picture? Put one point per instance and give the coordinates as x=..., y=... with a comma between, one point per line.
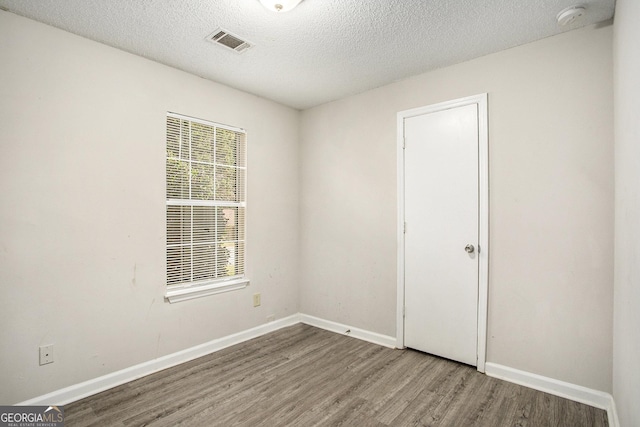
x=483, y=215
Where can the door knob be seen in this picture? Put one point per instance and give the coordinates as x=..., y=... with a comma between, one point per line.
x=469, y=248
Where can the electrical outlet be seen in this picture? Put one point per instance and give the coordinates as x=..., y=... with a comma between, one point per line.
x=256, y=300
x=46, y=354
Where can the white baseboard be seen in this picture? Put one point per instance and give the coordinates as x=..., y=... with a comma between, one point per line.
x=612, y=414
x=79, y=391
x=105, y=382
x=595, y=398
x=372, y=337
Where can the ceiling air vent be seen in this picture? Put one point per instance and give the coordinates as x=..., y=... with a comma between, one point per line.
x=228, y=40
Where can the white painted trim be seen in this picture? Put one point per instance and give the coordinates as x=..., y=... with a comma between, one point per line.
x=483, y=212
x=105, y=382
x=205, y=122
x=595, y=398
x=372, y=337
x=612, y=414
x=400, y=232
x=483, y=228
x=185, y=293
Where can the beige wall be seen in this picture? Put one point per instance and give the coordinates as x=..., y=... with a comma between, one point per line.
x=82, y=212
x=626, y=336
x=551, y=203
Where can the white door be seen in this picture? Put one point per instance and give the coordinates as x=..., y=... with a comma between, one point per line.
x=441, y=198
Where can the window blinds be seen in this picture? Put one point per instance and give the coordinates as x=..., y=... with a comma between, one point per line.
x=205, y=170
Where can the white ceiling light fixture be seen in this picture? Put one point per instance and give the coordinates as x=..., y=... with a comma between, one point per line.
x=280, y=5
x=570, y=14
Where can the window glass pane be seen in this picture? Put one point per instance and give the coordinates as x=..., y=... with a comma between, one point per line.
x=204, y=224
x=178, y=265
x=240, y=221
x=177, y=179
x=241, y=181
x=225, y=223
x=226, y=185
x=241, y=151
x=226, y=147
x=223, y=260
x=202, y=139
x=173, y=137
x=178, y=225
x=203, y=262
x=185, y=140
x=239, y=257
x=234, y=218
x=202, y=181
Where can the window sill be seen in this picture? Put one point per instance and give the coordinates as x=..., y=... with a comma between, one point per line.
x=186, y=293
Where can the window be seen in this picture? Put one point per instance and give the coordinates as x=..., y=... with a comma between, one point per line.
x=206, y=172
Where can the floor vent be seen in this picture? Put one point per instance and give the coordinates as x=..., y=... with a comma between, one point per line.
x=228, y=40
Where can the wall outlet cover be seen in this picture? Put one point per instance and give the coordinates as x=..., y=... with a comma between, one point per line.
x=46, y=354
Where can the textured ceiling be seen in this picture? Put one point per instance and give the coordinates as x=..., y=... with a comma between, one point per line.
x=321, y=51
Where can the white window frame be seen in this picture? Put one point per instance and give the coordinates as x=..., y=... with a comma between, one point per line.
x=190, y=290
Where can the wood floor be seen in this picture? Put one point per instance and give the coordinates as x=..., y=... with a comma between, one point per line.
x=304, y=376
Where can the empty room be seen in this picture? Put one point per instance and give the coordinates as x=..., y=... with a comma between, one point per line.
x=247, y=212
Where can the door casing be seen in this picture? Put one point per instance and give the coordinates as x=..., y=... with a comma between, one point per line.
x=483, y=215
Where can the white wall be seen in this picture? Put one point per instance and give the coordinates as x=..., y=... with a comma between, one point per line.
x=82, y=215
x=551, y=203
x=626, y=335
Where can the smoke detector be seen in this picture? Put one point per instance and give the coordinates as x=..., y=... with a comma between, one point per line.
x=228, y=40
x=569, y=15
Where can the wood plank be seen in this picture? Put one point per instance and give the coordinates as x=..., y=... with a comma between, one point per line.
x=305, y=376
